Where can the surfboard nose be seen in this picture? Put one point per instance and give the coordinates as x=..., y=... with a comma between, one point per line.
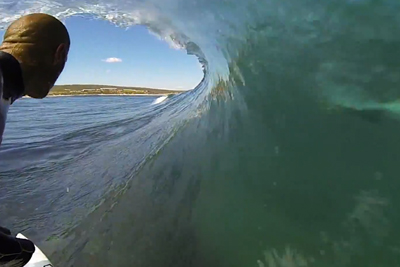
x=38, y=259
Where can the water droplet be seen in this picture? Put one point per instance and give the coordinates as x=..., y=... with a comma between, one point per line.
x=378, y=176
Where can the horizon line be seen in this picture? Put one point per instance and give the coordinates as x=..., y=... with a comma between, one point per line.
x=127, y=86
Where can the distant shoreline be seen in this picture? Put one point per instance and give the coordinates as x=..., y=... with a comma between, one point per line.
x=107, y=90
x=86, y=95
x=108, y=95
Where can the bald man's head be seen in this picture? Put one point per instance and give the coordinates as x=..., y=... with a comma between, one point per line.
x=40, y=43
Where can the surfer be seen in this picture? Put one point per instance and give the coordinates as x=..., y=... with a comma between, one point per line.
x=32, y=56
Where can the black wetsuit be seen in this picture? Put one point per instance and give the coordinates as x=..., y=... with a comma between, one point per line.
x=13, y=251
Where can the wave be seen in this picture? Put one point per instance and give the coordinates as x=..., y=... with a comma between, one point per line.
x=160, y=100
x=296, y=114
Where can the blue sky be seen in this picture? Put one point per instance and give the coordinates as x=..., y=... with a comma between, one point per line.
x=102, y=53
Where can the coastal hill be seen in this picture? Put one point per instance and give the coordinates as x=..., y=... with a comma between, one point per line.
x=93, y=89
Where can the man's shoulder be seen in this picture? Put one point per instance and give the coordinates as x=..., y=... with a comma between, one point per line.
x=1, y=82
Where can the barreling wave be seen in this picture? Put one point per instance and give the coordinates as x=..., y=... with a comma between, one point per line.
x=296, y=115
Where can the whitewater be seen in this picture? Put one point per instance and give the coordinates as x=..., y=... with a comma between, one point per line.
x=286, y=153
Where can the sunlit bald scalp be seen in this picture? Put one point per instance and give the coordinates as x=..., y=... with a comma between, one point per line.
x=33, y=40
x=42, y=31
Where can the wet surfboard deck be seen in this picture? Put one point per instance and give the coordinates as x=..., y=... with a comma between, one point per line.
x=38, y=258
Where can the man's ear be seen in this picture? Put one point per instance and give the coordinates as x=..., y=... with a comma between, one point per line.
x=61, y=55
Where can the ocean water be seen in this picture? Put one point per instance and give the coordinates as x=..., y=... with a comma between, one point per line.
x=286, y=154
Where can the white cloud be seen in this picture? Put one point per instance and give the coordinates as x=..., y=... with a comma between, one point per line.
x=112, y=60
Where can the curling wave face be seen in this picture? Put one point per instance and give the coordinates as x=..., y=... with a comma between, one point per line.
x=288, y=145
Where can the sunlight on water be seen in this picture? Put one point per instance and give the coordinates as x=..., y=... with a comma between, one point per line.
x=290, y=258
